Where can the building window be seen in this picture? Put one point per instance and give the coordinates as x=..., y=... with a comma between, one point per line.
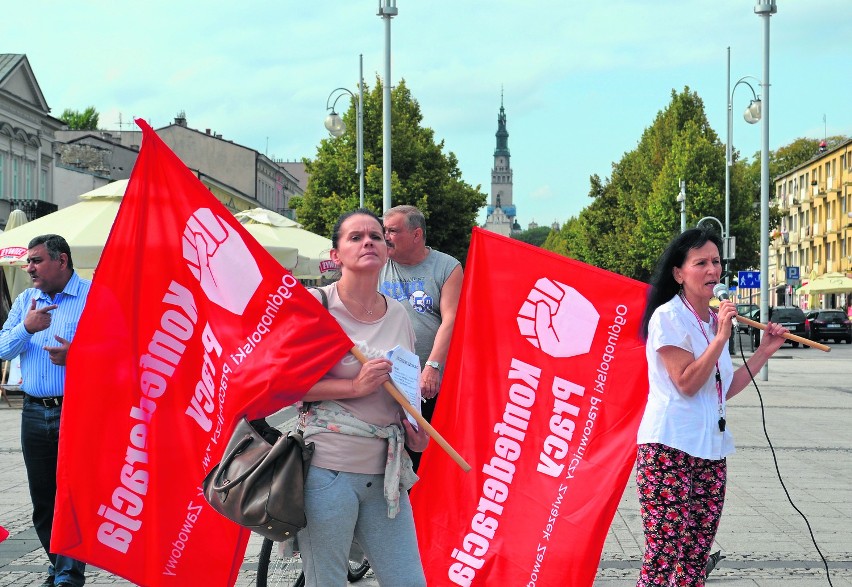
x=2, y=174
x=15, y=177
x=43, y=187
x=28, y=180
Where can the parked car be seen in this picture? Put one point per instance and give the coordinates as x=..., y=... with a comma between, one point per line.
x=745, y=310
x=791, y=317
x=825, y=324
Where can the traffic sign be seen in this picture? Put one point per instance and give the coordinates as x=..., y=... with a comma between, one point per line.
x=748, y=279
x=793, y=274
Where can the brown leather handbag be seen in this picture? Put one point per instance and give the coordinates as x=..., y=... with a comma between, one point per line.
x=261, y=486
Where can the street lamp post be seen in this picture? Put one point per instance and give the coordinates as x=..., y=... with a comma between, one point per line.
x=336, y=127
x=387, y=10
x=765, y=9
x=714, y=219
x=681, y=199
x=751, y=116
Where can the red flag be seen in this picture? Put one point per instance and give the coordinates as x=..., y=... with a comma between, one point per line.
x=545, y=385
x=189, y=324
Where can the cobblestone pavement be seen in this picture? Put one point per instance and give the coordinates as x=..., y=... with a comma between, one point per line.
x=808, y=411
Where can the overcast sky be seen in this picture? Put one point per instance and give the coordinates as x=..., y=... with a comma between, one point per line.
x=581, y=80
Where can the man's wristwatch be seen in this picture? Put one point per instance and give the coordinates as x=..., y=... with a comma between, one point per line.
x=434, y=365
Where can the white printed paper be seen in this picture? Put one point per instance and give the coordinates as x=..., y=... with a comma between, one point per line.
x=406, y=375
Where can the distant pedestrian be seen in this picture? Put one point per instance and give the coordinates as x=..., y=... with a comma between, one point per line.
x=39, y=328
x=428, y=283
x=683, y=437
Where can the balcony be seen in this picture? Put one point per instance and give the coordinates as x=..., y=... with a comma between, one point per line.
x=817, y=231
x=794, y=237
x=829, y=266
x=33, y=208
x=829, y=225
x=805, y=233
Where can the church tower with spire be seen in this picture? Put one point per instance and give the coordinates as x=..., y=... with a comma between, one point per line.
x=501, y=211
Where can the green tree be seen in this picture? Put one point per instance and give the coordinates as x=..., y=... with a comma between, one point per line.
x=85, y=120
x=634, y=213
x=422, y=174
x=534, y=236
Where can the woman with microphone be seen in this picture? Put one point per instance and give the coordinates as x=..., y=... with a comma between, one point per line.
x=683, y=438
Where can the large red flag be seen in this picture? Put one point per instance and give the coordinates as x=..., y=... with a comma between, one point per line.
x=545, y=385
x=189, y=324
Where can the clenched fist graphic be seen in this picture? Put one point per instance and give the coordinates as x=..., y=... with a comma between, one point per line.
x=557, y=319
x=220, y=260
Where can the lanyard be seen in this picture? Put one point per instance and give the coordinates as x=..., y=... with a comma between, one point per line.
x=713, y=320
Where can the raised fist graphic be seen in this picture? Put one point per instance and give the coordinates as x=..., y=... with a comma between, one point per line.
x=220, y=260
x=557, y=319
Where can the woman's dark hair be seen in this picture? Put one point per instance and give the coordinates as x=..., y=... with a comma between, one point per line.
x=663, y=284
x=335, y=233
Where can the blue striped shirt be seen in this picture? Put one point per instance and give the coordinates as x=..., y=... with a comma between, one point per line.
x=41, y=378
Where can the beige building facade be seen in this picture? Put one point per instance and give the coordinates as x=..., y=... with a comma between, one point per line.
x=815, y=232
x=44, y=166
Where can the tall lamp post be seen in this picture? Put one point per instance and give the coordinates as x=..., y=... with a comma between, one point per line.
x=681, y=199
x=751, y=116
x=765, y=9
x=387, y=10
x=336, y=127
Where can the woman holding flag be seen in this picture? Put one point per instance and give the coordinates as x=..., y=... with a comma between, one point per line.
x=360, y=473
x=683, y=438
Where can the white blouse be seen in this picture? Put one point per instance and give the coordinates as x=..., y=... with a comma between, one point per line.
x=687, y=423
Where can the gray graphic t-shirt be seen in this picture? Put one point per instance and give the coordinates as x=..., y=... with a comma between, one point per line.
x=418, y=287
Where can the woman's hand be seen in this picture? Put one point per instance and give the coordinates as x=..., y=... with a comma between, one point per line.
x=372, y=375
x=773, y=337
x=430, y=382
x=415, y=439
x=725, y=315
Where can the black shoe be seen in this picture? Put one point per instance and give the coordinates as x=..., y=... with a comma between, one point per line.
x=712, y=561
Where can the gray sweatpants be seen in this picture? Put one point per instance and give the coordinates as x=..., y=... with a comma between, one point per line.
x=339, y=506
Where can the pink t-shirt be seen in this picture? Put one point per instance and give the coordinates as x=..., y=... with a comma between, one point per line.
x=356, y=454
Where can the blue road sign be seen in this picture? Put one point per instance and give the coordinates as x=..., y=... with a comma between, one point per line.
x=792, y=273
x=748, y=279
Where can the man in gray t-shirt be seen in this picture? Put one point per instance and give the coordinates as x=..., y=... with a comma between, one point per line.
x=428, y=283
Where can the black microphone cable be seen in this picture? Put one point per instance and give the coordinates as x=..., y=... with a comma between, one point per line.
x=777, y=468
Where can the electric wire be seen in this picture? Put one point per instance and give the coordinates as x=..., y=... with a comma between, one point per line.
x=775, y=460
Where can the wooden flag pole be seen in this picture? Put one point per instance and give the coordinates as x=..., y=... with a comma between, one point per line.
x=788, y=336
x=421, y=421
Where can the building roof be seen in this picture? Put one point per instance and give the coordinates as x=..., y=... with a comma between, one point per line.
x=813, y=159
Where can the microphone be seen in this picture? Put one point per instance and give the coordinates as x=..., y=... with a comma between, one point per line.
x=720, y=292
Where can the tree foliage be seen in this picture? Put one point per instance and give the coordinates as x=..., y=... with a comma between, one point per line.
x=534, y=236
x=634, y=212
x=422, y=174
x=77, y=120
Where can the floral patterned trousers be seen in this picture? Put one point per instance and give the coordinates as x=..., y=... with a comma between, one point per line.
x=681, y=500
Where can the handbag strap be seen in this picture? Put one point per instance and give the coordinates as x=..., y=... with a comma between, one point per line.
x=280, y=446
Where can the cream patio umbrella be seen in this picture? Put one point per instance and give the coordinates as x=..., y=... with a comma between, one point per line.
x=830, y=283
x=273, y=231
x=16, y=279
x=85, y=226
